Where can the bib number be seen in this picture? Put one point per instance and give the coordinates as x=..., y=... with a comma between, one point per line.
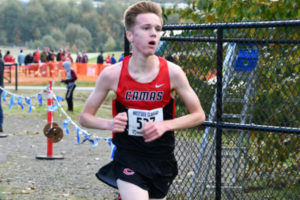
x=137, y=119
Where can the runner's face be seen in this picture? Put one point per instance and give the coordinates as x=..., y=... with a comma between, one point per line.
x=146, y=33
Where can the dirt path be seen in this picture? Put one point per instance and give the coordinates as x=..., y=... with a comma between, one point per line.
x=22, y=176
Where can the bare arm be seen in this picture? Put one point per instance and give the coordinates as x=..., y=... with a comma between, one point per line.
x=107, y=81
x=196, y=116
x=180, y=84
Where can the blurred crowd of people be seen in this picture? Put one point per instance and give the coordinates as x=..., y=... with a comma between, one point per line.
x=36, y=56
x=109, y=59
x=47, y=55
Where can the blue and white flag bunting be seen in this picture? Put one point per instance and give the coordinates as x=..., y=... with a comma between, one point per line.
x=65, y=125
x=40, y=98
x=94, y=142
x=12, y=102
x=54, y=107
x=77, y=134
x=59, y=98
x=20, y=102
x=19, y=99
x=113, y=147
x=4, y=94
x=86, y=136
x=28, y=101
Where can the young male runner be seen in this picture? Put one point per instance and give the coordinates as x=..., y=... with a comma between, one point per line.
x=144, y=164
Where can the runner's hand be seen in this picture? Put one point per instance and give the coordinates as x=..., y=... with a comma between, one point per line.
x=152, y=131
x=119, y=122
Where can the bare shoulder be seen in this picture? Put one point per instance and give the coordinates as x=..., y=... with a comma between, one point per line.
x=109, y=77
x=112, y=71
x=177, y=75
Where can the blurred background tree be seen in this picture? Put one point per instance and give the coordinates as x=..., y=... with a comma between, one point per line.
x=28, y=23
x=205, y=11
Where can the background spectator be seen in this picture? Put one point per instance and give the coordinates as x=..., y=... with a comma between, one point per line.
x=21, y=57
x=28, y=59
x=44, y=55
x=79, y=57
x=69, y=57
x=70, y=82
x=59, y=55
x=36, y=55
x=100, y=59
x=107, y=59
x=85, y=58
x=113, y=59
x=8, y=58
x=51, y=55
x=121, y=57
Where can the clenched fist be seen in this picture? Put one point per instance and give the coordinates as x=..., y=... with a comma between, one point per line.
x=119, y=122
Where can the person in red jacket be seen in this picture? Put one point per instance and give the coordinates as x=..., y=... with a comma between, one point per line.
x=36, y=55
x=8, y=58
x=107, y=59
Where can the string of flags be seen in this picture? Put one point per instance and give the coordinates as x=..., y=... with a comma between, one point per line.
x=93, y=139
x=20, y=99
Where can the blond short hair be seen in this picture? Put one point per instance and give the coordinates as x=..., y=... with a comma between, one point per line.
x=140, y=8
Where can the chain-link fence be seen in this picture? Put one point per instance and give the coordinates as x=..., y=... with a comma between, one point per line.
x=247, y=78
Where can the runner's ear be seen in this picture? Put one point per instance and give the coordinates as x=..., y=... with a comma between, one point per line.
x=129, y=36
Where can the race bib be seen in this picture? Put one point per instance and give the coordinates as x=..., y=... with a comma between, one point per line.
x=137, y=119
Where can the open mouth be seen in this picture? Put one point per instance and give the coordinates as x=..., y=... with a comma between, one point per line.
x=152, y=43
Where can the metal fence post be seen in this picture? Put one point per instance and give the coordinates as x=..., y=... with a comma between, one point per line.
x=16, y=76
x=219, y=113
x=126, y=45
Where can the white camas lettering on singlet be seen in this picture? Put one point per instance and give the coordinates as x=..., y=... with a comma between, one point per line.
x=144, y=95
x=137, y=118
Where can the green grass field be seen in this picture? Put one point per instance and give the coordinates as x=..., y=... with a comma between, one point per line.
x=40, y=111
